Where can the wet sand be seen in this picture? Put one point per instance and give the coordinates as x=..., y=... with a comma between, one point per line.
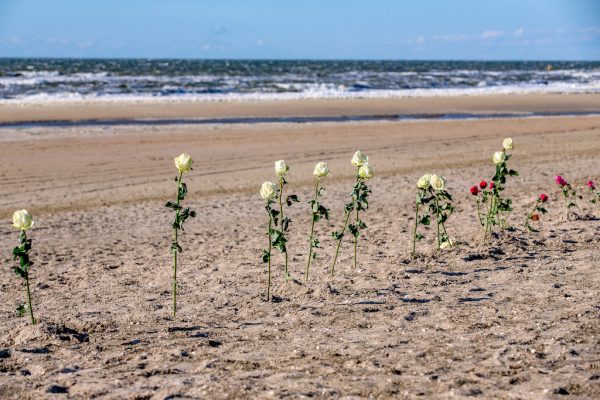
x=518, y=318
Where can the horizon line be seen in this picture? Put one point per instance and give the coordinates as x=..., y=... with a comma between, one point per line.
x=294, y=59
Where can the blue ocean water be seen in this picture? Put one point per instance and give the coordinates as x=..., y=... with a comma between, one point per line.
x=23, y=80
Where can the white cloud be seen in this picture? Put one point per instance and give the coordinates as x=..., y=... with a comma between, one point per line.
x=491, y=34
x=452, y=37
x=420, y=40
x=519, y=32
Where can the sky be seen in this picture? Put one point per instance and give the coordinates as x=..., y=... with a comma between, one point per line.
x=302, y=29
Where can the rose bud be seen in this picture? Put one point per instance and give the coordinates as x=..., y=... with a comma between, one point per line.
x=483, y=184
x=543, y=198
x=183, y=163
x=474, y=190
x=535, y=216
x=591, y=185
x=492, y=185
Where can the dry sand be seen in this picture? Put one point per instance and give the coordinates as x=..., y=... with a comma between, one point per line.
x=519, y=318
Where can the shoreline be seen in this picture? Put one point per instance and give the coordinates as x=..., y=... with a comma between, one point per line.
x=289, y=120
x=99, y=110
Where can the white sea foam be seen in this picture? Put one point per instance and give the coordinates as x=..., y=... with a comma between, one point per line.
x=310, y=91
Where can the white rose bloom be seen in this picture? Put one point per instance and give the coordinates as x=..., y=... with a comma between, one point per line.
x=365, y=171
x=508, y=144
x=423, y=182
x=184, y=162
x=321, y=170
x=22, y=220
x=281, y=168
x=358, y=159
x=446, y=244
x=268, y=190
x=499, y=157
x=437, y=182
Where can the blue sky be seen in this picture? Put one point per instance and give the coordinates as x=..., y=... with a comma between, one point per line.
x=316, y=29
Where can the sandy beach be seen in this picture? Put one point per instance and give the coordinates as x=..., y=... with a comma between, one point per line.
x=516, y=319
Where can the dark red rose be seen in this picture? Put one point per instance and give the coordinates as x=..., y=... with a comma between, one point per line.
x=483, y=184
x=543, y=198
x=474, y=190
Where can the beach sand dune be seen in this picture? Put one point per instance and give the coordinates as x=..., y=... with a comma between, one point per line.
x=515, y=319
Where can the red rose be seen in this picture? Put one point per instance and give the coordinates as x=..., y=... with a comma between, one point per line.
x=474, y=190
x=543, y=198
x=483, y=184
x=591, y=185
x=492, y=185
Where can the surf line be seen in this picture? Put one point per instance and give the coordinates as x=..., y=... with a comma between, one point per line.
x=297, y=120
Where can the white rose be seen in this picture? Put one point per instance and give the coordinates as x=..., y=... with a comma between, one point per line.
x=184, y=162
x=281, y=168
x=446, y=244
x=268, y=190
x=508, y=144
x=358, y=159
x=365, y=171
x=437, y=182
x=423, y=182
x=22, y=220
x=499, y=157
x=321, y=170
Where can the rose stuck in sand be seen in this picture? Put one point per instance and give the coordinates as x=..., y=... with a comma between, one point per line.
x=359, y=202
x=281, y=170
x=318, y=211
x=23, y=221
x=183, y=163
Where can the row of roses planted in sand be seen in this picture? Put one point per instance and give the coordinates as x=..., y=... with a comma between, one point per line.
x=432, y=201
x=279, y=224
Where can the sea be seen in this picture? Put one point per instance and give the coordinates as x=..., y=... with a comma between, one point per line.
x=55, y=80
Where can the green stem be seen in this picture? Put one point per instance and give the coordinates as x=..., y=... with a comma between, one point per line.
x=437, y=219
x=414, y=249
x=23, y=240
x=269, y=262
x=312, y=230
x=356, y=236
x=479, y=212
x=287, y=275
x=488, y=222
x=29, y=299
x=526, y=223
x=175, y=231
x=337, y=249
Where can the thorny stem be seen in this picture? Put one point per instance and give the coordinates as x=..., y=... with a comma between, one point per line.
x=175, y=250
x=356, y=237
x=27, y=287
x=337, y=249
x=488, y=219
x=312, y=230
x=414, y=249
x=29, y=299
x=526, y=223
x=437, y=220
x=287, y=275
x=269, y=262
x=479, y=212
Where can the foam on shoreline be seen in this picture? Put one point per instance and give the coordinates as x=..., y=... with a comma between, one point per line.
x=315, y=94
